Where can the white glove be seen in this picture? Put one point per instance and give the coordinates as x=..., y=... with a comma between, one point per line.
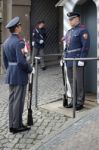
x=41, y=42
x=61, y=62
x=80, y=63
x=33, y=70
x=33, y=43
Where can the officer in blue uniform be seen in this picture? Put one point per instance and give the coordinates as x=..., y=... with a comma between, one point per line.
x=17, y=75
x=77, y=46
x=38, y=42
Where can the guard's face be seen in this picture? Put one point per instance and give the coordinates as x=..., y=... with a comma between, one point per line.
x=41, y=25
x=19, y=28
x=74, y=21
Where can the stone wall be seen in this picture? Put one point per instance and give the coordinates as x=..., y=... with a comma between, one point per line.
x=22, y=9
x=14, y=8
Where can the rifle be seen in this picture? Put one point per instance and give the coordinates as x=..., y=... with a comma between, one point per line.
x=65, y=98
x=30, y=95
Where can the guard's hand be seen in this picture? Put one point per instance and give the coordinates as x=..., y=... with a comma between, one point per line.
x=61, y=62
x=33, y=70
x=33, y=43
x=80, y=63
x=41, y=42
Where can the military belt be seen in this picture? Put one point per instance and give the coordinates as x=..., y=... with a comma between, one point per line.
x=74, y=50
x=12, y=63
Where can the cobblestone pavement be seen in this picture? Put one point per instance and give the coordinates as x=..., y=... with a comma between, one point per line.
x=48, y=123
x=50, y=85
x=83, y=134
x=45, y=122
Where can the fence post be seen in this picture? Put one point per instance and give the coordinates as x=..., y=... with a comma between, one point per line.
x=74, y=87
x=36, y=81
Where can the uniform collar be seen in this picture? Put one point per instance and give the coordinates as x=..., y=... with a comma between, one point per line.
x=76, y=26
x=15, y=34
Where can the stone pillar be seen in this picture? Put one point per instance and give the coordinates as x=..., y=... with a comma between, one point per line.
x=1, y=17
x=9, y=12
x=7, y=15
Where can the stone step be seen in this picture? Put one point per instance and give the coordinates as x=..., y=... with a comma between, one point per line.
x=57, y=106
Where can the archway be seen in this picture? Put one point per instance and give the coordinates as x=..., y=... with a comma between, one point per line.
x=88, y=12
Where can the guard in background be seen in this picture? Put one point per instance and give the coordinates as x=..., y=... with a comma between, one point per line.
x=17, y=75
x=38, y=42
x=77, y=46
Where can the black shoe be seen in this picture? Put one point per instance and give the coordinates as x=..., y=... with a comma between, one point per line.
x=18, y=130
x=43, y=68
x=69, y=105
x=65, y=101
x=79, y=107
x=11, y=129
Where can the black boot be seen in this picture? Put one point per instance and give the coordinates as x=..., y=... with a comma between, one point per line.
x=69, y=105
x=43, y=68
x=79, y=107
x=65, y=101
x=22, y=129
x=11, y=129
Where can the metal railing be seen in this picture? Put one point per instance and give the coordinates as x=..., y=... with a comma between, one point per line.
x=74, y=77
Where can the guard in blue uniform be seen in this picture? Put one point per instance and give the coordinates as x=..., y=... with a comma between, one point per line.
x=77, y=46
x=38, y=42
x=17, y=75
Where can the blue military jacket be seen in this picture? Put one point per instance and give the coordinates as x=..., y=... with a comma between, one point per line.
x=77, y=43
x=37, y=35
x=15, y=61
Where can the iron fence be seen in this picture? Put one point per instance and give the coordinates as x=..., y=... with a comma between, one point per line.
x=74, y=76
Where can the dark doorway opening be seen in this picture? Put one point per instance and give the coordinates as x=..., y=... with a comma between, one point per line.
x=46, y=10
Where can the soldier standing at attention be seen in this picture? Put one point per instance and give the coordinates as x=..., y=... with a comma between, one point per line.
x=38, y=42
x=77, y=46
x=17, y=75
